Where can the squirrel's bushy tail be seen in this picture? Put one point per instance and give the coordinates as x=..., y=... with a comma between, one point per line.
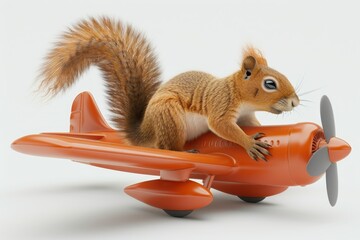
x=125, y=58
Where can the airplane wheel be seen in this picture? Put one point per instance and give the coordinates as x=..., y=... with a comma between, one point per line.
x=251, y=199
x=178, y=213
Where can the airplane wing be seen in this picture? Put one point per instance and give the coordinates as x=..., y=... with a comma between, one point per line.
x=91, y=148
x=92, y=141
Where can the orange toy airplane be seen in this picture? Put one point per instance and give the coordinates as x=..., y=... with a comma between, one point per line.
x=300, y=154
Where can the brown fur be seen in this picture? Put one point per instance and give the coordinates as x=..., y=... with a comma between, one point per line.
x=122, y=54
x=161, y=117
x=256, y=53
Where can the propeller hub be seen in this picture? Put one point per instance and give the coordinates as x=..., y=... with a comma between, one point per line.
x=338, y=149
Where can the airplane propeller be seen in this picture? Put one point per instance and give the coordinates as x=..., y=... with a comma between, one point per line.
x=325, y=158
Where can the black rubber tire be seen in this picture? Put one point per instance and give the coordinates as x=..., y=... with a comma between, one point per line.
x=178, y=213
x=252, y=199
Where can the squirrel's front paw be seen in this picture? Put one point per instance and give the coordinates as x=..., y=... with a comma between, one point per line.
x=258, y=149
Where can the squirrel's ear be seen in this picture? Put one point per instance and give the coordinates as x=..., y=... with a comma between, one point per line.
x=249, y=63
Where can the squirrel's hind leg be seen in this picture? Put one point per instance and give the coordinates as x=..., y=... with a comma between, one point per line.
x=169, y=126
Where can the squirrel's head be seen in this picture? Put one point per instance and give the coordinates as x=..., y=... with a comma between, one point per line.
x=266, y=88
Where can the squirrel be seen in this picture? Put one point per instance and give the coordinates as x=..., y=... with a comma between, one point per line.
x=166, y=115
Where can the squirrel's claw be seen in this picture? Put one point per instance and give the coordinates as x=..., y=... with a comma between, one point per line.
x=256, y=136
x=258, y=149
x=261, y=149
x=253, y=156
x=256, y=154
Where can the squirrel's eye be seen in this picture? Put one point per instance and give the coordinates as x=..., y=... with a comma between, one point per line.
x=270, y=84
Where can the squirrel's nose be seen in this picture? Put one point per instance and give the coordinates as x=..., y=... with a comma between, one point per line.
x=295, y=101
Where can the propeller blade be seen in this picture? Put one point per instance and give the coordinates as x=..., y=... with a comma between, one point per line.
x=327, y=118
x=319, y=162
x=332, y=184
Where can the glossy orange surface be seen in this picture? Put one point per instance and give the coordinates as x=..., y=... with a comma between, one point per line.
x=338, y=149
x=186, y=195
x=92, y=141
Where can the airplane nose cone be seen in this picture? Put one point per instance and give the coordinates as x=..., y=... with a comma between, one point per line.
x=338, y=149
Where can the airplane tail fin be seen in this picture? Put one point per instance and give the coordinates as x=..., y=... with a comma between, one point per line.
x=85, y=115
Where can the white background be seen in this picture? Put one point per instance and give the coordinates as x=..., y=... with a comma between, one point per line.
x=313, y=42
